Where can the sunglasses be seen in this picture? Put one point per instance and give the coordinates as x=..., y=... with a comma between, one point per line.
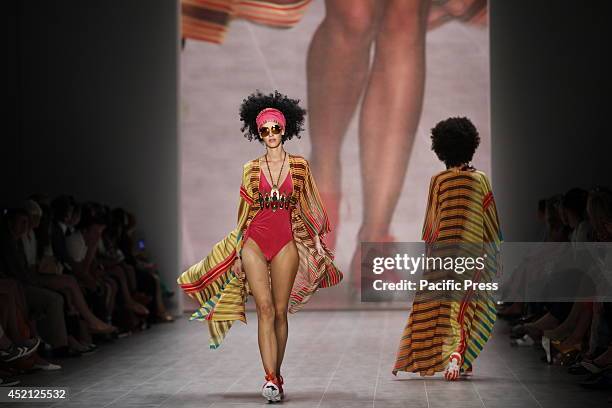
x=265, y=131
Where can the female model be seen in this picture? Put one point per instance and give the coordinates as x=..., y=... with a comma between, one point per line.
x=277, y=245
x=448, y=334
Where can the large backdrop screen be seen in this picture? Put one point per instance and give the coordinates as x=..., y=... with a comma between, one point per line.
x=374, y=82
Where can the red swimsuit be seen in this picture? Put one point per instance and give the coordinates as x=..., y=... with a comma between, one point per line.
x=271, y=230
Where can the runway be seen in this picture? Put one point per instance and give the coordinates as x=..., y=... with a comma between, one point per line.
x=334, y=359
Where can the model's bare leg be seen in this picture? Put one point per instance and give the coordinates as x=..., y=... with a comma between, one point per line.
x=256, y=270
x=283, y=267
x=391, y=111
x=337, y=69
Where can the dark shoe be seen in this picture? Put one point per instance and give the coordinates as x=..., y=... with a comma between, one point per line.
x=517, y=331
x=65, y=352
x=594, y=368
x=577, y=369
x=15, y=352
x=92, y=348
x=8, y=382
x=602, y=381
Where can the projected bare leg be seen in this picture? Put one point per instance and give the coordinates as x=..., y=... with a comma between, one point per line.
x=390, y=115
x=337, y=69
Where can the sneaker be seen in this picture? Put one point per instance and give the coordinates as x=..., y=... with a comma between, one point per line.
x=34, y=342
x=271, y=389
x=89, y=350
x=8, y=382
x=452, y=369
x=20, y=351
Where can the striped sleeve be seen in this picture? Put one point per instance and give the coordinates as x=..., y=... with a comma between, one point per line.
x=244, y=204
x=430, y=227
x=208, y=20
x=311, y=207
x=492, y=229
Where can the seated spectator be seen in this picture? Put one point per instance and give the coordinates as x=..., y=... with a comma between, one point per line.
x=48, y=273
x=39, y=301
x=598, y=361
x=147, y=278
x=135, y=253
x=62, y=209
x=570, y=334
x=573, y=205
x=82, y=248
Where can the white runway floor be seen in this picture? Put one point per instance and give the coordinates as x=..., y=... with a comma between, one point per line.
x=334, y=359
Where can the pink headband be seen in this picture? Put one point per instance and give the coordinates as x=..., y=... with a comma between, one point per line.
x=270, y=115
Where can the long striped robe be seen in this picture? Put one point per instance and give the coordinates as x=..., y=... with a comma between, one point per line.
x=207, y=20
x=460, y=209
x=221, y=294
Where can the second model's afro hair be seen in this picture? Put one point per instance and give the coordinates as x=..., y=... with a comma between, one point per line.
x=258, y=101
x=455, y=140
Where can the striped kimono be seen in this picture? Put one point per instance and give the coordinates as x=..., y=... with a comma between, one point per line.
x=460, y=209
x=221, y=294
x=207, y=20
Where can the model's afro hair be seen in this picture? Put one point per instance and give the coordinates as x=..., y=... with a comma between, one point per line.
x=256, y=102
x=455, y=140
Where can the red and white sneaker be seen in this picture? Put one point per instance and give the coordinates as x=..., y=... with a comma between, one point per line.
x=453, y=367
x=272, y=389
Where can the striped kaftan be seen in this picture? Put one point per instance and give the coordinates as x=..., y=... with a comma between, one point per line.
x=208, y=20
x=460, y=209
x=221, y=294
